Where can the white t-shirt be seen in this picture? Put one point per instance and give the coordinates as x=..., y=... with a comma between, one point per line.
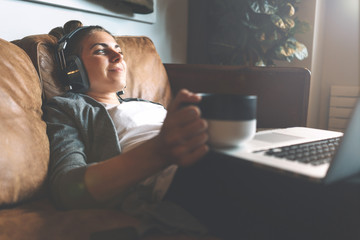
x=136, y=122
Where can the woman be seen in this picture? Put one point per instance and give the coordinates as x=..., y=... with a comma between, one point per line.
x=103, y=153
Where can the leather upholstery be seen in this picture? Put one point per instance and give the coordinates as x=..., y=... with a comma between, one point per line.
x=24, y=147
x=146, y=77
x=41, y=49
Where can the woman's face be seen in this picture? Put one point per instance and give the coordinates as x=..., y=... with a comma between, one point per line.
x=104, y=63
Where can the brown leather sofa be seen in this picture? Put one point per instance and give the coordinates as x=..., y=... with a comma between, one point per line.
x=28, y=77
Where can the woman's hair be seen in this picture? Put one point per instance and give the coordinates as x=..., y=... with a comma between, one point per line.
x=74, y=44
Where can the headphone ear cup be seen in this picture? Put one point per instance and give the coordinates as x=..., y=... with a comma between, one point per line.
x=76, y=74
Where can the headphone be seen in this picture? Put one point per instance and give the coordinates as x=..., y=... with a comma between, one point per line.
x=72, y=67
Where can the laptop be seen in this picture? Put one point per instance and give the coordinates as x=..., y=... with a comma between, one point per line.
x=278, y=149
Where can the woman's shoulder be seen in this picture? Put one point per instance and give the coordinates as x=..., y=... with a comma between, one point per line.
x=72, y=104
x=73, y=99
x=66, y=97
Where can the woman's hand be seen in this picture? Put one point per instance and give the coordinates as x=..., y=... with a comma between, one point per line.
x=184, y=135
x=182, y=141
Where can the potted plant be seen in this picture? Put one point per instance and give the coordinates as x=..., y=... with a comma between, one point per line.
x=255, y=32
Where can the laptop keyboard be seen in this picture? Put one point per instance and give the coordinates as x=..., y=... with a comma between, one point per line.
x=315, y=153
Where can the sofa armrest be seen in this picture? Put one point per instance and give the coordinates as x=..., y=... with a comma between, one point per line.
x=282, y=92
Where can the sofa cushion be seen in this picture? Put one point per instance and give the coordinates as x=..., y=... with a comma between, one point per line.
x=41, y=50
x=146, y=76
x=41, y=220
x=24, y=147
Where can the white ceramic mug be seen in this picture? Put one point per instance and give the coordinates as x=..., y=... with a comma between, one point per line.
x=231, y=118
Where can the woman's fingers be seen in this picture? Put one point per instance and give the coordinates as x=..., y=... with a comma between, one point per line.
x=180, y=127
x=184, y=133
x=193, y=156
x=184, y=116
x=190, y=145
x=183, y=97
x=185, y=153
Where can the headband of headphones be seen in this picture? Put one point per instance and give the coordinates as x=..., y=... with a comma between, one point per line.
x=71, y=65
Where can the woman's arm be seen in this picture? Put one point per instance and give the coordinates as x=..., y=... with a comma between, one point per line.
x=182, y=141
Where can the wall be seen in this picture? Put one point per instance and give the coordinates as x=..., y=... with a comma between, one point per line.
x=333, y=46
x=337, y=54
x=169, y=32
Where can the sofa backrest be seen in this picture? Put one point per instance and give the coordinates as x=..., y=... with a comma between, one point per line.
x=283, y=92
x=146, y=76
x=24, y=146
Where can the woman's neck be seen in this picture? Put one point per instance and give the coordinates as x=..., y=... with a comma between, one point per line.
x=110, y=98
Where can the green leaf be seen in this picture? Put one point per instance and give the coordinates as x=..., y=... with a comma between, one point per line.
x=277, y=21
x=287, y=10
x=262, y=6
x=289, y=23
x=260, y=63
x=292, y=48
x=284, y=24
x=301, y=51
